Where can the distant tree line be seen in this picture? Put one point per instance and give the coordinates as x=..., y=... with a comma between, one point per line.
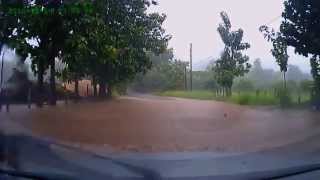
x=167, y=73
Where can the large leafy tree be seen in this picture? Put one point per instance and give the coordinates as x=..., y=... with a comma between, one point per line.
x=301, y=30
x=110, y=43
x=132, y=32
x=7, y=27
x=233, y=62
x=40, y=33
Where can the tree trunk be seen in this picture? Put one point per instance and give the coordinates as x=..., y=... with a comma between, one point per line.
x=76, y=87
x=229, y=92
x=94, y=83
x=53, y=94
x=284, y=81
x=102, y=89
x=109, y=93
x=40, y=88
x=223, y=91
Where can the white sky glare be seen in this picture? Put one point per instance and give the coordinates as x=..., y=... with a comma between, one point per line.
x=196, y=21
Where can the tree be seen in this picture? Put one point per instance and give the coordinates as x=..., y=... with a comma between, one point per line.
x=76, y=54
x=40, y=33
x=109, y=43
x=132, y=34
x=301, y=31
x=7, y=24
x=232, y=62
x=166, y=73
x=280, y=49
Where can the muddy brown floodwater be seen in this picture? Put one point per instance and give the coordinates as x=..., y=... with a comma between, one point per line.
x=151, y=124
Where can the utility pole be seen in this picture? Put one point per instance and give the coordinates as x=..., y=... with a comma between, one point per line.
x=191, y=66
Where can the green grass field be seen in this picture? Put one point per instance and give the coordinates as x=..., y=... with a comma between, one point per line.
x=247, y=98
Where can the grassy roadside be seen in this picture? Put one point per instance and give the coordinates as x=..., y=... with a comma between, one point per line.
x=248, y=98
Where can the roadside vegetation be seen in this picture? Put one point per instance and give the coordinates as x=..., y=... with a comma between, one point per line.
x=245, y=98
x=121, y=45
x=231, y=77
x=106, y=42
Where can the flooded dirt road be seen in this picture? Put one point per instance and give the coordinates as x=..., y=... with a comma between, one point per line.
x=154, y=124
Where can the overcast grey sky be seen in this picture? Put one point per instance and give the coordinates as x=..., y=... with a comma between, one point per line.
x=196, y=21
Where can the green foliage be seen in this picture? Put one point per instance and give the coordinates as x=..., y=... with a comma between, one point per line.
x=280, y=53
x=166, y=73
x=280, y=47
x=107, y=40
x=232, y=62
x=262, y=78
x=203, y=80
x=301, y=32
x=201, y=95
x=211, y=84
x=251, y=98
x=306, y=85
x=243, y=99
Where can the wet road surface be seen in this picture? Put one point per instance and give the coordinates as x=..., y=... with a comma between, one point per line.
x=154, y=124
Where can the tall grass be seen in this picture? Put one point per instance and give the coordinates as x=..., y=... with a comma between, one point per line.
x=244, y=98
x=250, y=98
x=202, y=95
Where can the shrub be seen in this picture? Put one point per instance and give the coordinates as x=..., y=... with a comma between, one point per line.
x=244, y=100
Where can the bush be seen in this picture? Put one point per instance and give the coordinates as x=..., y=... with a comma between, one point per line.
x=254, y=99
x=243, y=100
